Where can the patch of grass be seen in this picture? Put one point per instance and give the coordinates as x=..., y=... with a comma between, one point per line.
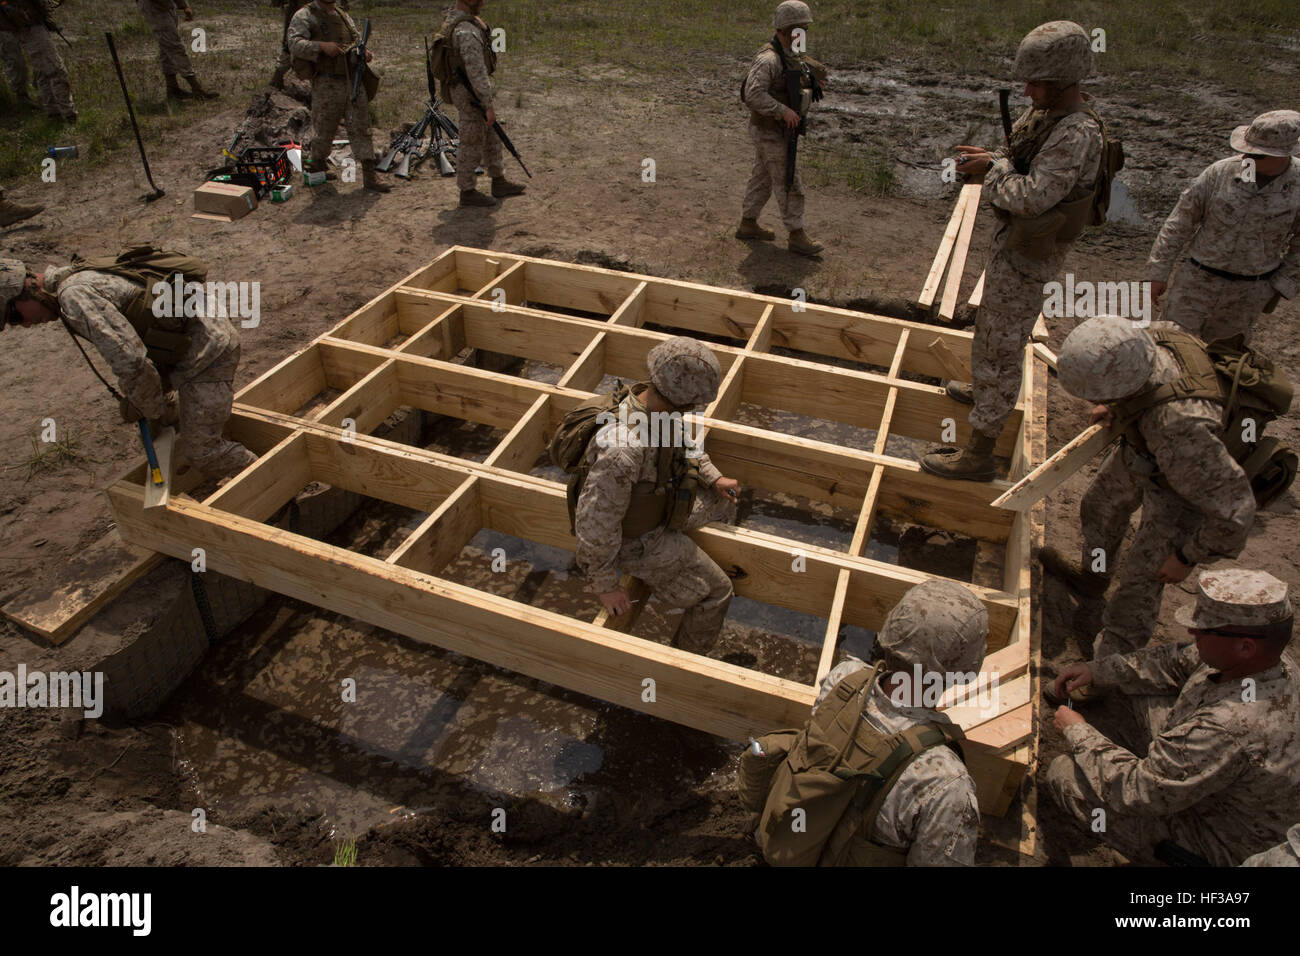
x=51, y=456
x=345, y=852
x=864, y=168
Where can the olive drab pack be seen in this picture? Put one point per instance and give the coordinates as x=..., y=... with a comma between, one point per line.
x=1253, y=392
x=1038, y=236
x=798, y=86
x=444, y=61
x=838, y=771
x=145, y=266
x=667, y=501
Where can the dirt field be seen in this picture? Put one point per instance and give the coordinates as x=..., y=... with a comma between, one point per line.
x=282, y=776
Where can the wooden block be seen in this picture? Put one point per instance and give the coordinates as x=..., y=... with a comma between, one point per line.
x=953, y=367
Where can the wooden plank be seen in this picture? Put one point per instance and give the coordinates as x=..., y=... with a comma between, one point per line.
x=524, y=443
x=638, y=593
x=977, y=294
x=953, y=367
x=1058, y=469
x=441, y=536
x=760, y=340
x=79, y=586
x=1046, y=355
x=1040, y=333
x=289, y=384
x=833, y=622
x=156, y=495
x=957, y=266
x=630, y=311
x=265, y=486
x=588, y=369
x=931, y=288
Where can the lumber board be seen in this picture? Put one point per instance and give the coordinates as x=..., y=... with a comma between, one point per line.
x=977, y=294
x=957, y=265
x=1055, y=471
x=941, y=258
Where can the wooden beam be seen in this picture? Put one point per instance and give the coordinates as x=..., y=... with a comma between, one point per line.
x=931, y=288
x=441, y=536
x=957, y=267
x=833, y=623
x=1055, y=471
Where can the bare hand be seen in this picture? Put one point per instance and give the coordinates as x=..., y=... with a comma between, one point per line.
x=1065, y=717
x=616, y=602
x=330, y=48
x=1173, y=570
x=1157, y=290
x=791, y=119
x=491, y=116
x=973, y=160
x=727, y=488
x=1072, y=677
x=189, y=13
x=1101, y=415
x=369, y=56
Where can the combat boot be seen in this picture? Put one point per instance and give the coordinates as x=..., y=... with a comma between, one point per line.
x=174, y=91
x=502, y=187
x=960, y=392
x=12, y=212
x=472, y=197
x=198, y=89
x=802, y=243
x=750, y=229
x=972, y=463
x=369, y=180
x=1081, y=579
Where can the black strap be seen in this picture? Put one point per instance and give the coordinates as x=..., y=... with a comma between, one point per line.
x=1235, y=277
x=77, y=342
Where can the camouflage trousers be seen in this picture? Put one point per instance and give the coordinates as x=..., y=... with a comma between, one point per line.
x=768, y=178
x=331, y=103
x=206, y=397
x=681, y=575
x=50, y=76
x=1167, y=523
x=1212, y=307
x=164, y=21
x=1003, y=327
x=479, y=145
x=1137, y=721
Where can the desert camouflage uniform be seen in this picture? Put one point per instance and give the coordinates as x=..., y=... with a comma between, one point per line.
x=1221, y=776
x=48, y=72
x=91, y=302
x=1013, y=282
x=932, y=813
x=163, y=17
x=331, y=89
x=764, y=91
x=284, y=62
x=1288, y=854
x=1234, y=226
x=479, y=144
x=676, y=569
x=1208, y=516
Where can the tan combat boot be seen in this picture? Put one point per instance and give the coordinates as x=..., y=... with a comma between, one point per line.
x=502, y=187
x=750, y=229
x=198, y=89
x=174, y=91
x=472, y=197
x=803, y=244
x=1077, y=576
x=960, y=392
x=972, y=463
x=12, y=212
x=369, y=180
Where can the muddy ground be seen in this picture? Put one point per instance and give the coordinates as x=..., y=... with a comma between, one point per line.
x=257, y=737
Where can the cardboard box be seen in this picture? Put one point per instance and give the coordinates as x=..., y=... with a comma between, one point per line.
x=281, y=193
x=223, y=202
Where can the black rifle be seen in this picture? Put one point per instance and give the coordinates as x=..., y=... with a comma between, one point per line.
x=360, y=54
x=157, y=193
x=1004, y=107
x=496, y=127
x=794, y=93
x=407, y=145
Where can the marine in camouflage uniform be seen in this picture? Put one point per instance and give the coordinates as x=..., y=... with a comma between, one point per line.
x=773, y=118
x=1219, y=723
x=92, y=304
x=284, y=61
x=323, y=22
x=1196, y=501
x=1285, y=854
x=683, y=372
x=479, y=145
x=30, y=36
x=1060, y=140
x=163, y=17
x=1238, y=224
x=931, y=815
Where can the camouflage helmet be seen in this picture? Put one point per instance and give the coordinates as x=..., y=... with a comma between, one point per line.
x=792, y=13
x=1106, y=359
x=13, y=279
x=684, y=371
x=1056, y=52
x=940, y=626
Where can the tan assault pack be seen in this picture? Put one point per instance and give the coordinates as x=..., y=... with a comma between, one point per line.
x=1038, y=236
x=445, y=62
x=1253, y=392
x=665, y=502
x=145, y=266
x=838, y=771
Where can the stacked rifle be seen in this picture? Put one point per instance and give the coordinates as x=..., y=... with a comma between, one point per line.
x=408, y=149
